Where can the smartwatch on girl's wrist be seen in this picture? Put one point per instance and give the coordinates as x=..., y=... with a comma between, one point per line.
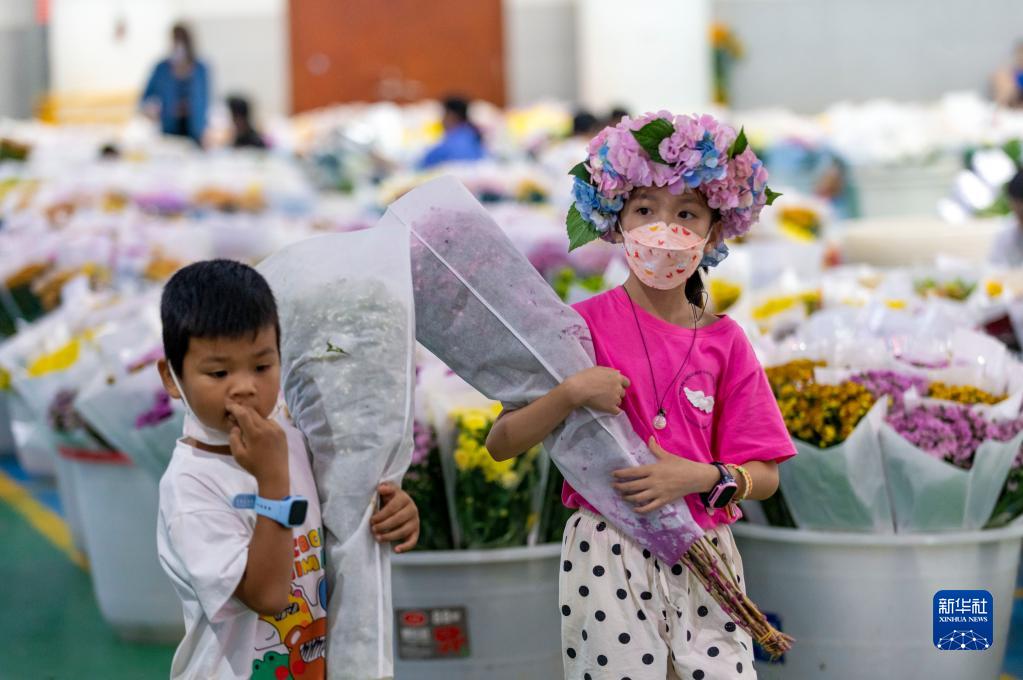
x=723, y=492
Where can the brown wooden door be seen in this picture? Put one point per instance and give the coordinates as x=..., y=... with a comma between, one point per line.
x=396, y=50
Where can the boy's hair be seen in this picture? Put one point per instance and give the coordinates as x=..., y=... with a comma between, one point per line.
x=214, y=299
x=1015, y=187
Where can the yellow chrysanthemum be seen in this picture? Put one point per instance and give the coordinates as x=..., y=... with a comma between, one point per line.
x=60, y=359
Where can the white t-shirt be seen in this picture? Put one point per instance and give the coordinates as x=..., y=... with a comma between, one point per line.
x=203, y=544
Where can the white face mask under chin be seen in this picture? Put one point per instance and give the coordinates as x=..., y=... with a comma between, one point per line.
x=195, y=429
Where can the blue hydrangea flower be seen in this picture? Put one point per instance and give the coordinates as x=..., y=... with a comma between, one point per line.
x=710, y=167
x=595, y=208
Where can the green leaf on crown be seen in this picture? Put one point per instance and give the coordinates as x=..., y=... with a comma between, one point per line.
x=581, y=172
x=580, y=231
x=771, y=195
x=739, y=145
x=651, y=135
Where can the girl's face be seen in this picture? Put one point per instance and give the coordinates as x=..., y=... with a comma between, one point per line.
x=656, y=204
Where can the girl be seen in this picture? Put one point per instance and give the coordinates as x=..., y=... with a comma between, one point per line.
x=670, y=189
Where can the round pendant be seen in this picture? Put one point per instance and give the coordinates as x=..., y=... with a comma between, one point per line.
x=660, y=422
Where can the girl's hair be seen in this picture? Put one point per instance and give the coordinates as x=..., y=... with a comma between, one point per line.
x=181, y=34
x=695, y=290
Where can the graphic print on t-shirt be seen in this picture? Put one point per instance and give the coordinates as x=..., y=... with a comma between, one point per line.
x=696, y=398
x=295, y=642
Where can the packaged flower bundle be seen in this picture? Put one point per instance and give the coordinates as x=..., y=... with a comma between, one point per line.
x=346, y=315
x=471, y=284
x=1010, y=502
x=949, y=465
x=836, y=482
x=495, y=502
x=957, y=289
x=132, y=411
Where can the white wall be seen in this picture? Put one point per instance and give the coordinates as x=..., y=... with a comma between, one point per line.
x=645, y=54
x=540, y=51
x=807, y=54
x=244, y=42
x=85, y=55
x=22, y=58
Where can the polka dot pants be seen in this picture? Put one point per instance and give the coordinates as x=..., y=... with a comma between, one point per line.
x=626, y=616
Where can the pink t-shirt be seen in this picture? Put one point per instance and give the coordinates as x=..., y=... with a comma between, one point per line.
x=744, y=423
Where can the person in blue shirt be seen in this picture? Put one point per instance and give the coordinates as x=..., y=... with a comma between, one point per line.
x=178, y=89
x=462, y=140
x=1007, y=82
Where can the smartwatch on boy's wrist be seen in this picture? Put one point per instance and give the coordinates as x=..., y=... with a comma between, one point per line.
x=288, y=512
x=723, y=492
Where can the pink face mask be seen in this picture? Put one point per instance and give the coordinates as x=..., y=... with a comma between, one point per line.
x=663, y=255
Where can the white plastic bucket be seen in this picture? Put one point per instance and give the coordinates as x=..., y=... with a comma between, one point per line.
x=119, y=505
x=6, y=437
x=510, y=598
x=910, y=188
x=861, y=606
x=67, y=492
x=33, y=444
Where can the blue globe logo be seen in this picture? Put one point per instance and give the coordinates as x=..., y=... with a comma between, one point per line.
x=963, y=640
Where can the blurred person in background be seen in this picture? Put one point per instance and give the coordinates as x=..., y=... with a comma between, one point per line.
x=1007, y=248
x=1007, y=83
x=585, y=124
x=562, y=154
x=616, y=115
x=177, y=93
x=245, y=134
x=462, y=140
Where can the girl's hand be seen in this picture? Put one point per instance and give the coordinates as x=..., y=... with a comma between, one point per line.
x=649, y=487
x=397, y=520
x=599, y=388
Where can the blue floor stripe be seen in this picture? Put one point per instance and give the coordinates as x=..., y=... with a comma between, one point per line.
x=42, y=488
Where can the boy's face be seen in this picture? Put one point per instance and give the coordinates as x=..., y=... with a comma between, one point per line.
x=219, y=371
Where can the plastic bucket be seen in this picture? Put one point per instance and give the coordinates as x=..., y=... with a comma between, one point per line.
x=861, y=606
x=119, y=505
x=68, y=494
x=911, y=188
x=6, y=437
x=503, y=604
x=33, y=444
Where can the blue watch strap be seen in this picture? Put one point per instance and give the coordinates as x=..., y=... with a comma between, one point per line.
x=288, y=512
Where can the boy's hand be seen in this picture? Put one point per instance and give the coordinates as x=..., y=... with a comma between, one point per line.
x=397, y=520
x=649, y=487
x=261, y=447
x=599, y=388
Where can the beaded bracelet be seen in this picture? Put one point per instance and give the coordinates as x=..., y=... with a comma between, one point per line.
x=747, y=482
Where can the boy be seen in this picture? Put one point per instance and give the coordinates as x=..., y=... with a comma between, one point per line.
x=239, y=530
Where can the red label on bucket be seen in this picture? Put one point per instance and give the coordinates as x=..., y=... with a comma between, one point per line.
x=414, y=619
x=438, y=633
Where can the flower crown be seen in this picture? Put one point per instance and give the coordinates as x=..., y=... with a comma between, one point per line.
x=679, y=152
